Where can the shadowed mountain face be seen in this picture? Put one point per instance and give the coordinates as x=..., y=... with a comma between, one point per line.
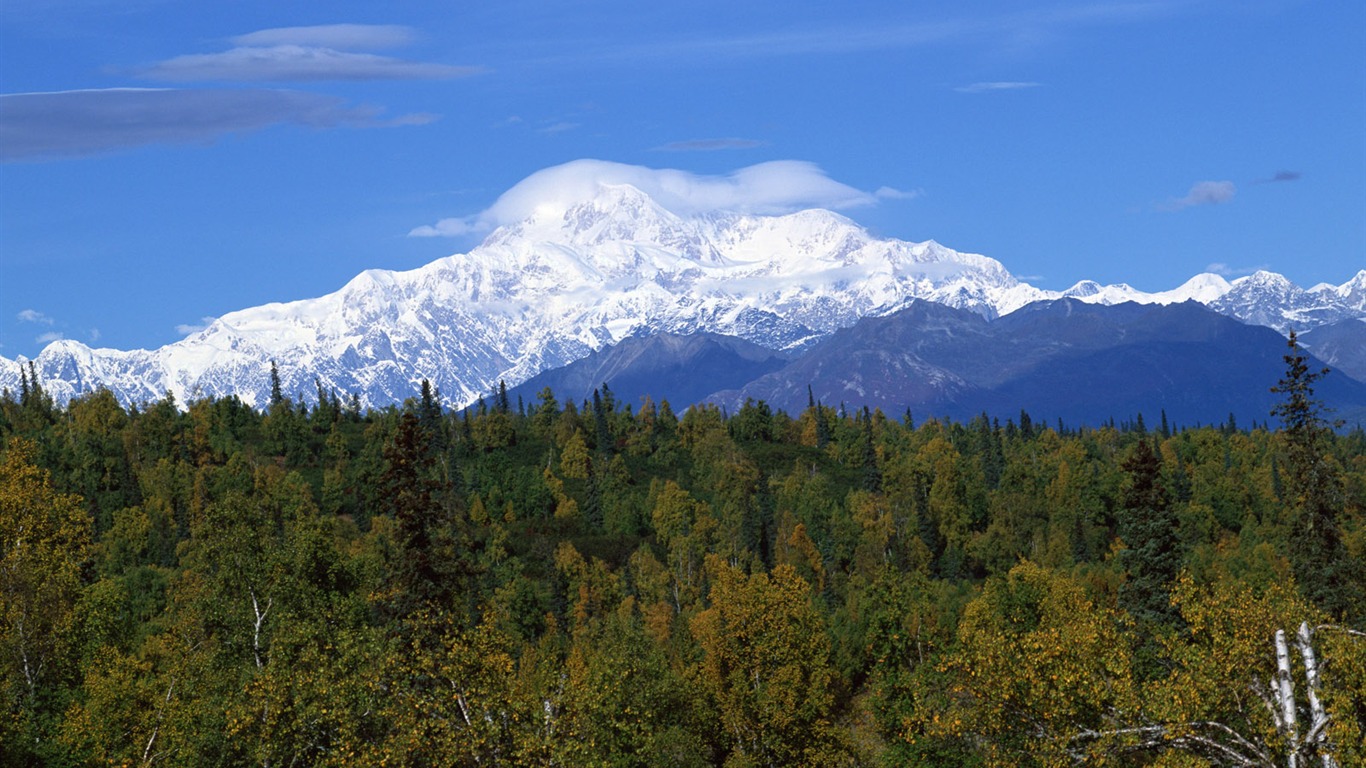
x=1083, y=363
x=1341, y=345
x=681, y=369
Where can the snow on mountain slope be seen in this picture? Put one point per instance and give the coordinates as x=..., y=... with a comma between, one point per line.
x=578, y=274
x=1266, y=298
x=544, y=292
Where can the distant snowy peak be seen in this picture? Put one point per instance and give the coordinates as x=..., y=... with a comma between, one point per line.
x=1267, y=298
x=1353, y=292
x=1203, y=288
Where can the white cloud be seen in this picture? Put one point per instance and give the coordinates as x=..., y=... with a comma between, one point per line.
x=996, y=86
x=776, y=187
x=296, y=63
x=349, y=37
x=33, y=316
x=1202, y=193
x=94, y=335
x=49, y=337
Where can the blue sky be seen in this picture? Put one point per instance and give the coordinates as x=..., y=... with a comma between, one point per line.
x=165, y=162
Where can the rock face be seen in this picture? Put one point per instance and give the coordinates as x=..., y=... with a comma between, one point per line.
x=575, y=277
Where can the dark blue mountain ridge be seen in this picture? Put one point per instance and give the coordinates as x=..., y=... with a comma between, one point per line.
x=1084, y=363
x=1342, y=345
x=683, y=369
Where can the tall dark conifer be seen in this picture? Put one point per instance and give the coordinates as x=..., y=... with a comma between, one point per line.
x=1147, y=525
x=872, y=476
x=277, y=394
x=1325, y=570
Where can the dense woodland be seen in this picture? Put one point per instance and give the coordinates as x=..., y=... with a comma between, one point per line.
x=618, y=584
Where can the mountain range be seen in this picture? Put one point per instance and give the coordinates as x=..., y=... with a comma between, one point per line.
x=1057, y=359
x=576, y=278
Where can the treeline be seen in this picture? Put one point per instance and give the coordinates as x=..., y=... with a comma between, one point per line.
x=612, y=584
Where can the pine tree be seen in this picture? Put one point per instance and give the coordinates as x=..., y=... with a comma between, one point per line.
x=602, y=432
x=502, y=403
x=872, y=476
x=276, y=393
x=1325, y=570
x=1148, y=528
x=822, y=427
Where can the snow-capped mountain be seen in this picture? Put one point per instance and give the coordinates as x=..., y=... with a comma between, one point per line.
x=575, y=276
x=1266, y=298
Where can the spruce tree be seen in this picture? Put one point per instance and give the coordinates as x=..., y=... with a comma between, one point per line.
x=872, y=476
x=277, y=395
x=1326, y=571
x=1148, y=528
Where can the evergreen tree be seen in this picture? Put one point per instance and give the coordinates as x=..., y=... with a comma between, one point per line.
x=1147, y=526
x=1325, y=570
x=872, y=476
x=276, y=393
x=822, y=427
x=502, y=403
x=602, y=431
x=425, y=533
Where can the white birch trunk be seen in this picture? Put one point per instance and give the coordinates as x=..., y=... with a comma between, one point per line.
x=1318, y=717
x=256, y=629
x=1285, y=693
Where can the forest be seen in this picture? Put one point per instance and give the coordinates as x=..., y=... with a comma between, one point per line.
x=625, y=584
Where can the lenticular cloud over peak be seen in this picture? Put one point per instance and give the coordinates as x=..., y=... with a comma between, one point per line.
x=777, y=187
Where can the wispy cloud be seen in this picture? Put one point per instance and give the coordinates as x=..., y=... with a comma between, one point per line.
x=413, y=118
x=49, y=337
x=709, y=145
x=1000, y=85
x=1201, y=193
x=346, y=37
x=560, y=127
x=1021, y=30
x=185, y=329
x=296, y=63
x=1224, y=270
x=306, y=54
x=71, y=123
x=1280, y=176
x=891, y=193
x=767, y=188
x=33, y=316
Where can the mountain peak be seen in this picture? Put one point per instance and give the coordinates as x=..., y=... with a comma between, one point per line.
x=1083, y=288
x=1263, y=278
